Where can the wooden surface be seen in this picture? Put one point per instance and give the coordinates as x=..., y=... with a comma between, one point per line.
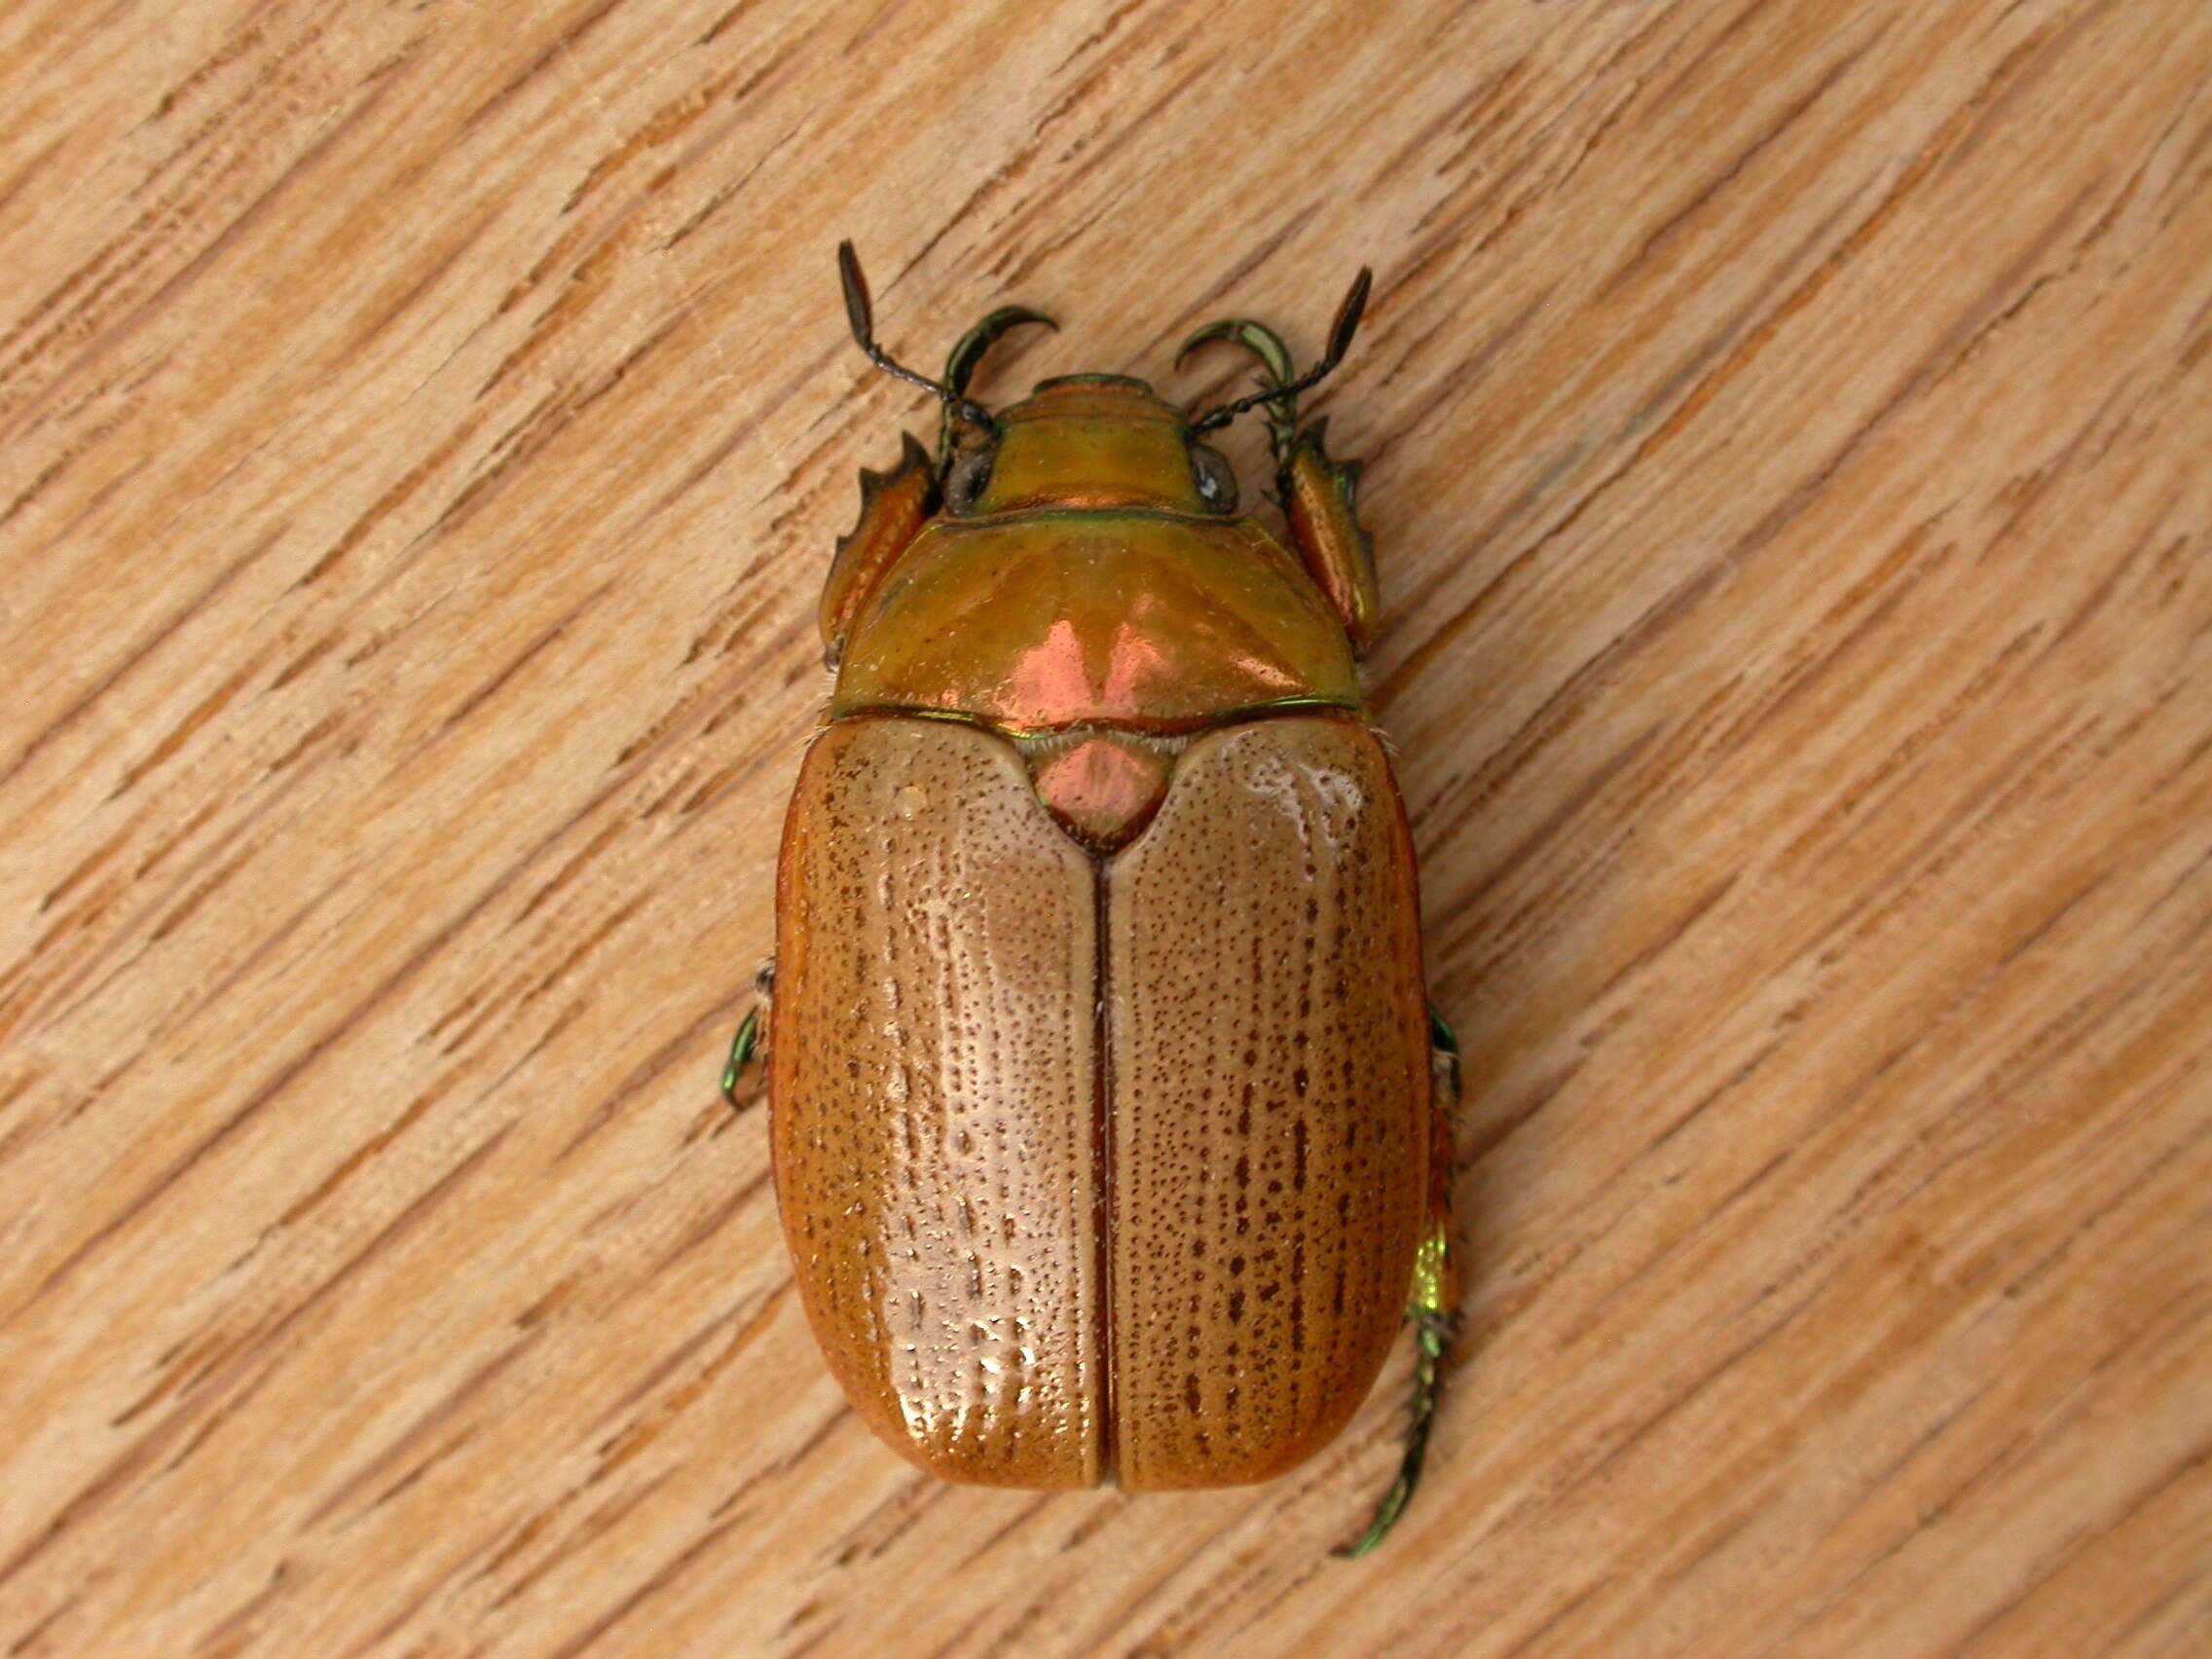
x=425, y=426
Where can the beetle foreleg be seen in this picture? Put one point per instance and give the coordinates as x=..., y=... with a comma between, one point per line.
x=1432, y=1305
x=1265, y=344
x=1319, y=498
x=960, y=367
x=1319, y=494
x=893, y=507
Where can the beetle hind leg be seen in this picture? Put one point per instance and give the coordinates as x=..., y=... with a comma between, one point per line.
x=1433, y=1301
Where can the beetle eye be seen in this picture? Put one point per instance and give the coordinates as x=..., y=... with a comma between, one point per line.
x=964, y=482
x=1216, y=478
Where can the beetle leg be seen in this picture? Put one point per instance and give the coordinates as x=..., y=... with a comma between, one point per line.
x=961, y=366
x=1265, y=344
x=1319, y=494
x=893, y=507
x=1319, y=500
x=751, y=1042
x=1432, y=1307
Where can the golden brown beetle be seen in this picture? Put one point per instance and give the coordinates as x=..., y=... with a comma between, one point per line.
x=1111, y=1129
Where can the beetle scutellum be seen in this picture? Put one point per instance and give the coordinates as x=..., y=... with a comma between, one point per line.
x=1111, y=1128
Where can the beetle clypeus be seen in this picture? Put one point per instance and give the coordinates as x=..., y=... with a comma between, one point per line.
x=1111, y=1128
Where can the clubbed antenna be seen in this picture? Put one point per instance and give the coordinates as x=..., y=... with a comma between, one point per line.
x=861, y=314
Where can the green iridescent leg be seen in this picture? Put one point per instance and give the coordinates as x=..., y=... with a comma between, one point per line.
x=1432, y=1304
x=747, y=1046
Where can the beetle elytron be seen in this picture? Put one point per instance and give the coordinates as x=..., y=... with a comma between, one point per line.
x=1111, y=1128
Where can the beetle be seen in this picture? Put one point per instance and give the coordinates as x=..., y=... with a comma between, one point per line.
x=1111, y=1124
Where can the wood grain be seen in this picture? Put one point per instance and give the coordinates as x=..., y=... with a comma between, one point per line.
x=423, y=429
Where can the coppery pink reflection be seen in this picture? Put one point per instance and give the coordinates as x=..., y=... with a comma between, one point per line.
x=1049, y=681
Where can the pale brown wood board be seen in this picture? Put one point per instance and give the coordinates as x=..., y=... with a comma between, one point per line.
x=424, y=430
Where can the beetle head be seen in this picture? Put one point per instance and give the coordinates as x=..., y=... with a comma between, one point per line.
x=1090, y=441
x=1094, y=440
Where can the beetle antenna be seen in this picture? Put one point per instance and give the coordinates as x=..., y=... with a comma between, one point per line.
x=860, y=312
x=1340, y=342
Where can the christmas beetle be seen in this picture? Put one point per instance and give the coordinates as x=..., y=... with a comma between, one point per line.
x=1110, y=1126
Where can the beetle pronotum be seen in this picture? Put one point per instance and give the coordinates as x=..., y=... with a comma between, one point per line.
x=1110, y=1126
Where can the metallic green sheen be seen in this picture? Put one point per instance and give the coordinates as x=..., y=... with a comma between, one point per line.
x=1140, y=618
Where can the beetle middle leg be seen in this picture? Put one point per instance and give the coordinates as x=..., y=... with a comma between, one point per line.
x=751, y=1042
x=1432, y=1307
